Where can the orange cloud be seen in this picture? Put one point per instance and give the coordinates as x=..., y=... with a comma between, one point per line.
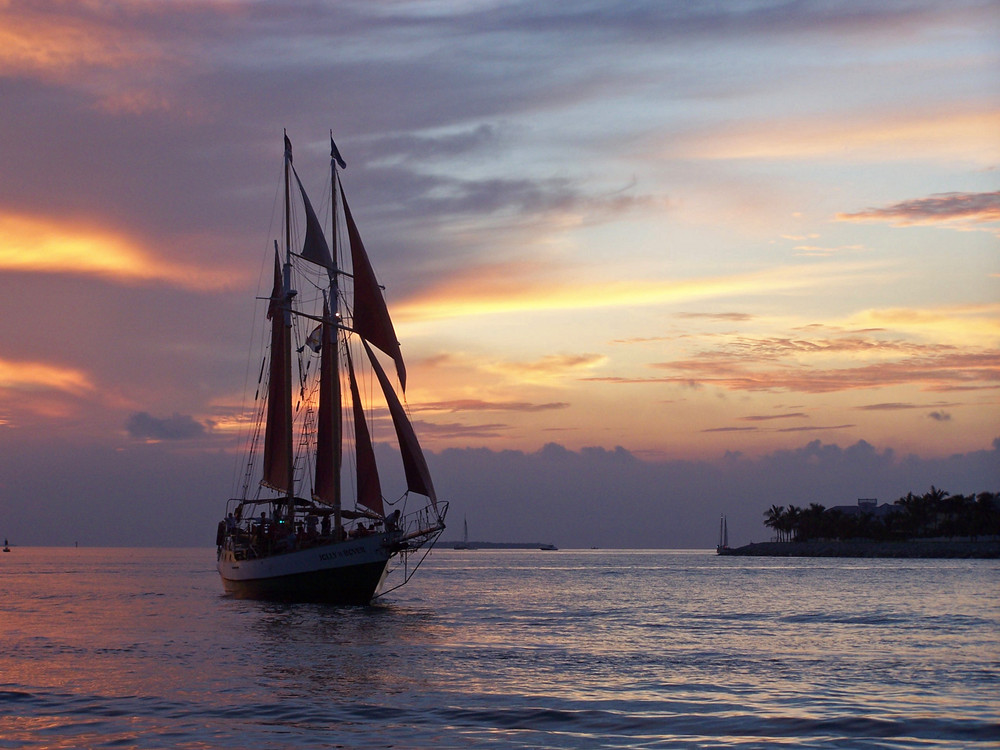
x=966, y=325
x=460, y=405
x=39, y=376
x=523, y=287
x=547, y=369
x=951, y=134
x=42, y=245
x=40, y=41
x=956, y=371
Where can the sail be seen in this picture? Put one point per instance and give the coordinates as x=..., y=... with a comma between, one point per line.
x=328, y=428
x=314, y=248
x=418, y=477
x=371, y=318
x=278, y=435
x=369, y=487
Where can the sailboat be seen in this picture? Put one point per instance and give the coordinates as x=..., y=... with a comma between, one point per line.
x=464, y=544
x=723, y=536
x=310, y=521
x=6, y=546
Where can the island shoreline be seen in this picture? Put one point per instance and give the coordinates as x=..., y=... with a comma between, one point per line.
x=987, y=549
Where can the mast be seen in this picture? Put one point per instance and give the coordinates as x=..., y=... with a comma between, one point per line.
x=338, y=425
x=289, y=457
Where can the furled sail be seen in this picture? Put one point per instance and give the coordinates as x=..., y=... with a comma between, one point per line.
x=277, y=435
x=369, y=486
x=418, y=477
x=328, y=428
x=371, y=318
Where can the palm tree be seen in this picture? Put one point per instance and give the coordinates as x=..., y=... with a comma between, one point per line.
x=773, y=518
x=811, y=524
x=793, y=519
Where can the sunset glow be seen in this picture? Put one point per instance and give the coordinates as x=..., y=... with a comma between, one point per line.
x=674, y=233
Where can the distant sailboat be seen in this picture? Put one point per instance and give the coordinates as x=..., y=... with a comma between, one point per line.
x=6, y=545
x=464, y=544
x=723, y=536
x=308, y=524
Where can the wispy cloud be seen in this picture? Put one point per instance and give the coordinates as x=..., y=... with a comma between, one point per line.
x=893, y=136
x=960, y=210
x=897, y=406
x=729, y=317
x=817, y=428
x=41, y=376
x=931, y=373
x=40, y=245
x=452, y=430
x=523, y=286
x=550, y=368
x=474, y=405
x=770, y=417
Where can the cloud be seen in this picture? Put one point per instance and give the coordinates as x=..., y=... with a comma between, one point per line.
x=776, y=364
x=559, y=201
x=142, y=425
x=896, y=406
x=932, y=373
x=481, y=138
x=445, y=431
x=549, y=368
x=41, y=376
x=459, y=405
x=34, y=39
x=819, y=251
x=932, y=134
x=531, y=286
x=956, y=209
x=729, y=317
x=817, y=428
x=37, y=244
x=768, y=417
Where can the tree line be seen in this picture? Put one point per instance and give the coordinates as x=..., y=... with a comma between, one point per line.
x=936, y=513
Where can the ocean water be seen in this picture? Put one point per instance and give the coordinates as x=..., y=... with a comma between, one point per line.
x=127, y=648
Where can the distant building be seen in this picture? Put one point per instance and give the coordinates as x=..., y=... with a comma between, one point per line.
x=867, y=506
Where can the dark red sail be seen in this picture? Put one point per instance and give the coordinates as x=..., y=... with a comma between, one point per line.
x=371, y=318
x=328, y=428
x=369, y=486
x=278, y=432
x=418, y=477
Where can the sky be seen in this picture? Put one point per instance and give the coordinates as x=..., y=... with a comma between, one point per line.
x=649, y=262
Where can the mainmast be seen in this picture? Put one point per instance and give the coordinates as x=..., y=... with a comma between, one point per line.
x=338, y=425
x=289, y=457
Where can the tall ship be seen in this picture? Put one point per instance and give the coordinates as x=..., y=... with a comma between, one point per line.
x=311, y=520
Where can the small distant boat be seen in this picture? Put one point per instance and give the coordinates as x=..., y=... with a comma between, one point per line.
x=548, y=547
x=311, y=523
x=464, y=544
x=723, y=536
x=6, y=545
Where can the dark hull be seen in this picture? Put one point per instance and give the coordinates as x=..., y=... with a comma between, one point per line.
x=345, y=572
x=355, y=584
